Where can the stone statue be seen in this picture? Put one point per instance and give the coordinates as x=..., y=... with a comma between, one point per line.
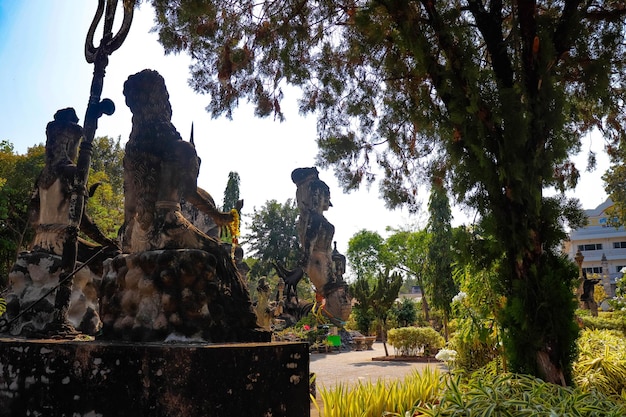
x=173, y=281
x=587, y=297
x=50, y=202
x=160, y=169
x=316, y=235
x=34, y=279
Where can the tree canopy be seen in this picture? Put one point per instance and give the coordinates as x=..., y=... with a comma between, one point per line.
x=17, y=179
x=273, y=237
x=496, y=95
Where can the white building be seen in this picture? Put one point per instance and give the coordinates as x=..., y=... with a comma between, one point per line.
x=603, y=246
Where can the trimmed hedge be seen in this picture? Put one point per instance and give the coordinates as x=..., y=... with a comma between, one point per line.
x=415, y=341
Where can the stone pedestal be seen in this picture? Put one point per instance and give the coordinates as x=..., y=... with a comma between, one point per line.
x=50, y=378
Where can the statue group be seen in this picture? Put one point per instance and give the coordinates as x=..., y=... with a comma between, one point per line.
x=165, y=280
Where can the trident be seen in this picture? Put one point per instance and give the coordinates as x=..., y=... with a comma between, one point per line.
x=95, y=109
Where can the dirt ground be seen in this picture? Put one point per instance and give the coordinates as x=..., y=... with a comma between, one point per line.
x=351, y=367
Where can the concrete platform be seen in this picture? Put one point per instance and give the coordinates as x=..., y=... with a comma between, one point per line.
x=95, y=378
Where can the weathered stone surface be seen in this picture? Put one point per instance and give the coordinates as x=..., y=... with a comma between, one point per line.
x=48, y=378
x=175, y=294
x=316, y=235
x=34, y=275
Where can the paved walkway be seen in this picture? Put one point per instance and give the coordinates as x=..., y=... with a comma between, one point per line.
x=354, y=366
x=351, y=367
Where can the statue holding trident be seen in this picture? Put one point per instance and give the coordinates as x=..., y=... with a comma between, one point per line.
x=99, y=56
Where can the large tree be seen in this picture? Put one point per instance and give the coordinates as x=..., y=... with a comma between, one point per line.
x=366, y=254
x=273, y=237
x=231, y=192
x=409, y=254
x=498, y=93
x=442, y=286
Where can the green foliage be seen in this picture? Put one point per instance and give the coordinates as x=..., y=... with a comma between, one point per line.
x=415, y=341
x=106, y=206
x=551, y=327
x=404, y=312
x=382, y=398
x=497, y=96
x=365, y=254
x=604, y=320
x=601, y=363
x=442, y=286
x=273, y=236
x=476, y=343
x=374, y=302
x=17, y=179
x=518, y=395
x=231, y=193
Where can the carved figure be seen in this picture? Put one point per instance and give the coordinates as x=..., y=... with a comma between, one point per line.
x=50, y=202
x=173, y=281
x=160, y=169
x=35, y=307
x=316, y=235
x=587, y=298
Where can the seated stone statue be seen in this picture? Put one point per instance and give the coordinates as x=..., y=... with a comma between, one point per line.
x=160, y=169
x=173, y=282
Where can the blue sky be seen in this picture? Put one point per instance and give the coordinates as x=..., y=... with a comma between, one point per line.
x=43, y=69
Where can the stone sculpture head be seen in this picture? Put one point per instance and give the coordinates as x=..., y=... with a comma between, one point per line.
x=147, y=97
x=63, y=135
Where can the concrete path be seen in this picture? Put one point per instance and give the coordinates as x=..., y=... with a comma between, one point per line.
x=354, y=366
x=351, y=367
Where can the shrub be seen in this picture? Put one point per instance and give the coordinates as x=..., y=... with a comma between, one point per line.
x=375, y=399
x=475, y=342
x=411, y=341
x=517, y=395
x=601, y=364
x=604, y=321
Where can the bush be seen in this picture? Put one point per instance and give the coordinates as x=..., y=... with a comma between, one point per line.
x=375, y=399
x=604, y=321
x=476, y=343
x=411, y=341
x=601, y=364
x=518, y=395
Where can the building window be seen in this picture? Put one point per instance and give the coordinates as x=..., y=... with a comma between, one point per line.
x=593, y=270
x=591, y=246
x=619, y=245
x=618, y=268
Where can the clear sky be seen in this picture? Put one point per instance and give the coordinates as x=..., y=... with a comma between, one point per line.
x=43, y=69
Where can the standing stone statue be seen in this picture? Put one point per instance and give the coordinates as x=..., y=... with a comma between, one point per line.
x=34, y=279
x=316, y=236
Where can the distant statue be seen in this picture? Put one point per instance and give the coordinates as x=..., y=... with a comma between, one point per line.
x=291, y=278
x=316, y=236
x=587, y=298
x=339, y=262
x=160, y=169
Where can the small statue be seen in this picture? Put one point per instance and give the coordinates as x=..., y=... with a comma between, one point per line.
x=587, y=298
